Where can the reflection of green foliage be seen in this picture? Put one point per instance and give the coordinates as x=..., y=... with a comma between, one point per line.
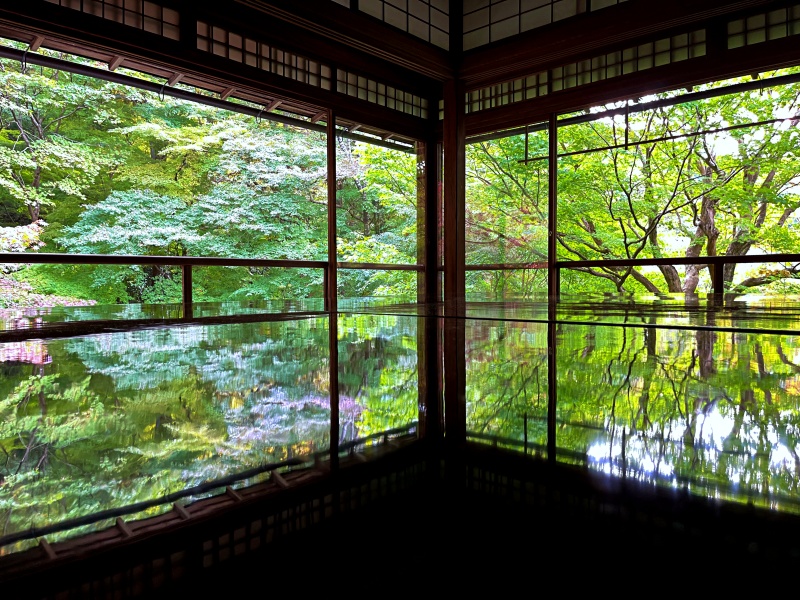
x=507, y=380
x=378, y=378
x=716, y=411
x=124, y=417
x=697, y=194
x=46, y=426
x=700, y=406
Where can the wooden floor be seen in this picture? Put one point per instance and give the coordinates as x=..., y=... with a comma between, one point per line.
x=466, y=520
x=446, y=539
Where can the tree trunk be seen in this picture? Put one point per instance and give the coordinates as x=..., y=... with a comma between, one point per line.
x=706, y=234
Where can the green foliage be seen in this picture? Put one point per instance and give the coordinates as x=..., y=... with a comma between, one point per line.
x=49, y=144
x=81, y=283
x=118, y=170
x=506, y=215
x=695, y=192
x=376, y=204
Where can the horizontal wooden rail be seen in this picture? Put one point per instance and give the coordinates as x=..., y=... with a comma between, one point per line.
x=185, y=262
x=639, y=262
x=379, y=266
x=541, y=264
x=679, y=260
x=714, y=263
x=137, y=259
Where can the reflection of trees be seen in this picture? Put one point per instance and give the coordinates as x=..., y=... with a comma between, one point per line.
x=705, y=409
x=683, y=414
x=507, y=380
x=124, y=417
x=378, y=376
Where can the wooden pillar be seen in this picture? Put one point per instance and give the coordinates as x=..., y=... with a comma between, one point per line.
x=453, y=142
x=717, y=282
x=431, y=425
x=186, y=286
x=331, y=283
x=330, y=294
x=428, y=185
x=552, y=388
x=553, y=274
x=454, y=196
x=333, y=352
x=553, y=286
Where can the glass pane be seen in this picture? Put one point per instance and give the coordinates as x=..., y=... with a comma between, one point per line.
x=137, y=173
x=506, y=385
x=364, y=283
x=506, y=212
x=254, y=285
x=377, y=203
x=712, y=177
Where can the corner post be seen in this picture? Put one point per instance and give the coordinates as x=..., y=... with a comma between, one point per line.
x=454, y=200
x=186, y=286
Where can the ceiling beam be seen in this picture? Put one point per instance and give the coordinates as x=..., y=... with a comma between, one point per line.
x=740, y=62
x=590, y=34
x=356, y=30
x=115, y=62
x=86, y=35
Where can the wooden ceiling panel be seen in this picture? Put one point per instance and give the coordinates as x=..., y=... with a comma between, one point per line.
x=590, y=34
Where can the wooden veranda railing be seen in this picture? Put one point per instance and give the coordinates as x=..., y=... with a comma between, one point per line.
x=185, y=262
x=715, y=265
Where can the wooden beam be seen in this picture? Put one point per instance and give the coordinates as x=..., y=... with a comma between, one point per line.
x=36, y=43
x=319, y=116
x=115, y=62
x=329, y=22
x=225, y=94
x=723, y=64
x=454, y=199
x=593, y=34
x=174, y=78
x=48, y=549
x=124, y=528
x=71, y=31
